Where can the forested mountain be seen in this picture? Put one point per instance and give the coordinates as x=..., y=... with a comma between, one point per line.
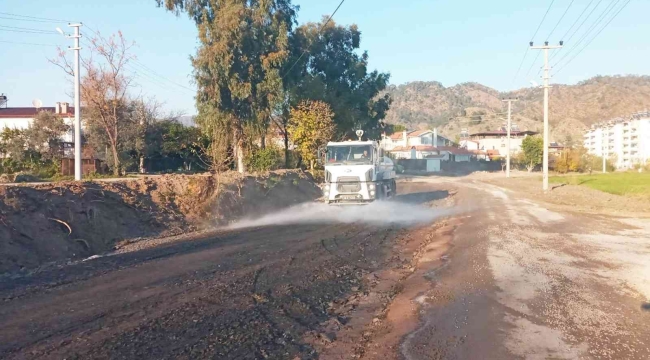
x=478, y=107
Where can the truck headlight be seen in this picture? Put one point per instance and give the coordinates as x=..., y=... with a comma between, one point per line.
x=372, y=193
x=371, y=186
x=327, y=187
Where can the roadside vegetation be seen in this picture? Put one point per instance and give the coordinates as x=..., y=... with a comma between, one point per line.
x=618, y=183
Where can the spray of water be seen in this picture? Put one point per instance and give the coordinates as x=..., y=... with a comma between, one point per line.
x=378, y=213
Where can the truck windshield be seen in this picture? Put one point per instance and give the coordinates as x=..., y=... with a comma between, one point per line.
x=361, y=154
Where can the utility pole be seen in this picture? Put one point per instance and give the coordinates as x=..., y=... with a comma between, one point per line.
x=509, y=101
x=77, y=104
x=604, y=144
x=546, y=47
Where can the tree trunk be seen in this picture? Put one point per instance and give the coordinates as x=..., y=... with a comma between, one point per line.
x=286, y=149
x=116, y=160
x=238, y=149
x=263, y=142
x=142, y=169
x=311, y=165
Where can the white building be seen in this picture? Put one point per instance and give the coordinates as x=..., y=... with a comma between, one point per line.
x=415, y=138
x=22, y=117
x=497, y=141
x=624, y=140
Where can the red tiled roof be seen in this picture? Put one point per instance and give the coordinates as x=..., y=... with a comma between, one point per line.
x=28, y=112
x=396, y=136
x=454, y=150
x=417, y=148
x=505, y=133
x=418, y=133
x=493, y=152
x=477, y=152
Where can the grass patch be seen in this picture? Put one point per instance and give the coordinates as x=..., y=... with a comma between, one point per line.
x=619, y=183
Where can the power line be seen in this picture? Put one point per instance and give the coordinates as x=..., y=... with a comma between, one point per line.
x=25, y=43
x=319, y=31
x=142, y=75
x=33, y=17
x=29, y=29
x=30, y=20
x=143, y=67
x=533, y=37
x=533, y=64
x=150, y=70
x=559, y=21
x=595, y=36
x=568, y=41
x=578, y=19
x=28, y=32
x=564, y=37
x=593, y=26
x=541, y=22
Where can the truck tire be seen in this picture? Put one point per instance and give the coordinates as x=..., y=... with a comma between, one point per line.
x=393, y=189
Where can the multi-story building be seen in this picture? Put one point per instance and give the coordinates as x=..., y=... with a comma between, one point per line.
x=497, y=141
x=625, y=141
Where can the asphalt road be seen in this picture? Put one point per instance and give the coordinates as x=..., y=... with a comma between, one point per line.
x=503, y=277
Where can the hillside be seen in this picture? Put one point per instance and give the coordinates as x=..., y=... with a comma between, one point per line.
x=478, y=107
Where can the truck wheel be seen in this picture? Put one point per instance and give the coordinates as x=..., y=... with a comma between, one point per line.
x=393, y=190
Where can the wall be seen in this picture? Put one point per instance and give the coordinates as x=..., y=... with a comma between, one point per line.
x=500, y=144
x=23, y=123
x=461, y=158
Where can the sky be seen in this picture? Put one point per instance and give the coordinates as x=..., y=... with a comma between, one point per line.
x=450, y=41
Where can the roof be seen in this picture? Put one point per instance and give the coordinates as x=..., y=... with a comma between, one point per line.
x=454, y=150
x=418, y=133
x=417, y=148
x=348, y=143
x=28, y=112
x=505, y=133
x=493, y=152
x=411, y=134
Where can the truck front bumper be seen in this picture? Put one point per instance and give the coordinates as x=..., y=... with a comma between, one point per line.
x=335, y=194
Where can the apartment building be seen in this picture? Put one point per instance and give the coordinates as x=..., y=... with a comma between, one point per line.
x=625, y=140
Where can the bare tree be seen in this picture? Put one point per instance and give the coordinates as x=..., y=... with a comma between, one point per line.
x=104, y=86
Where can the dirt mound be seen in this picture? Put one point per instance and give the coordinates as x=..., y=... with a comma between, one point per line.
x=52, y=222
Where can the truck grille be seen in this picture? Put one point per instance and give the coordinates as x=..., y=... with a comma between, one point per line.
x=349, y=184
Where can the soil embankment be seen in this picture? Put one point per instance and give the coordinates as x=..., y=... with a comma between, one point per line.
x=52, y=222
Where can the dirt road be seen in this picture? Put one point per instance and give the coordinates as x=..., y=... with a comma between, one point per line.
x=502, y=277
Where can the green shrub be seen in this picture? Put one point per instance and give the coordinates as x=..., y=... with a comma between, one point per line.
x=269, y=158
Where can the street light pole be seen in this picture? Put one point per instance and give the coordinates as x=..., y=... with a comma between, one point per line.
x=77, y=104
x=509, y=101
x=546, y=48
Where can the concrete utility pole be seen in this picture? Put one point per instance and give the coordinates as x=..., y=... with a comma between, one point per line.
x=77, y=103
x=509, y=101
x=546, y=48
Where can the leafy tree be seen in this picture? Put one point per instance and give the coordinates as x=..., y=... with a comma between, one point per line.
x=533, y=150
x=104, y=88
x=44, y=135
x=244, y=44
x=264, y=159
x=311, y=126
x=330, y=69
x=171, y=145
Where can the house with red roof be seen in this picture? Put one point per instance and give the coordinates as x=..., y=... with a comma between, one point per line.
x=21, y=117
x=415, y=138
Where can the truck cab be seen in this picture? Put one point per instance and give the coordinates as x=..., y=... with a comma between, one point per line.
x=357, y=172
